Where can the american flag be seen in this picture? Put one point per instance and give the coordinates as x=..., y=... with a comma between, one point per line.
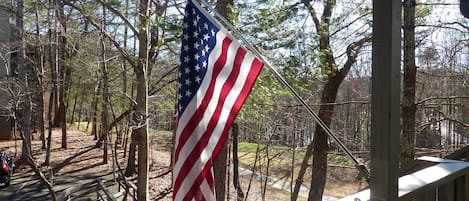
x=215, y=78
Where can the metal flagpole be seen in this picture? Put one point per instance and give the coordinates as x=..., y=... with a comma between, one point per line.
x=361, y=167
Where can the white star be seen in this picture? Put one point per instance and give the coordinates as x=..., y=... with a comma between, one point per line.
x=188, y=93
x=188, y=82
x=194, y=22
x=197, y=68
x=198, y=18
x=179, y=96
x=204, y=64
x=186, y=47
x=203, y=52
x=196, y=45
x=206, y=26
x=185, y=25
x=185, y=37
x=196, y=34
x=187, y=70
x=206, y=37
x=213, y=32
x=186, y=59
x=197, y=79
x=206, y=48
x=196, y=56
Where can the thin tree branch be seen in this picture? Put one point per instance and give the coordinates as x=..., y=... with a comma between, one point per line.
x=124, y=53
x=122, y=17
x=440, y=98
x=313, y=13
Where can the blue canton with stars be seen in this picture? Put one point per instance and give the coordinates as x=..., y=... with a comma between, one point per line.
x=198, y=40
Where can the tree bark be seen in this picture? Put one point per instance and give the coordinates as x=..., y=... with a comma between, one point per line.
x=320, y=142
x=408, y=107
x=53, y=66
x=64, y=72
x=25, y=119
x=23, y=73
x=141, y=107
x=105, y=93
x=39, y=94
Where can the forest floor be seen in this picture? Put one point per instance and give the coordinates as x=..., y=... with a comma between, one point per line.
x=81, y=157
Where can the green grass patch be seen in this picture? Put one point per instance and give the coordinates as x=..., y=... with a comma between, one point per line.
x=281, y=156
x=162, y=132
x=247, y=147
x=339, y=160
x=82, y=126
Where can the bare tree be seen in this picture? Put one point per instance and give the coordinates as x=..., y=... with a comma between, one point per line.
x=39, y=75
x=64, y=71
x=105, y=93
x=25, y=119
x=53, y=77
x=410, y=72
x=23, y=73
x=141, y=110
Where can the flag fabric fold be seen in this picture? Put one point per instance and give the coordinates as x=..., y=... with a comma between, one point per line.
x=215, y=77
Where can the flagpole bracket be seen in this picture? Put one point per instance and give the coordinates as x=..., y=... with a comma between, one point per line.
x=363, y=172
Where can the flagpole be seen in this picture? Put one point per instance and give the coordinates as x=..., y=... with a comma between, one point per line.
x=361, y=167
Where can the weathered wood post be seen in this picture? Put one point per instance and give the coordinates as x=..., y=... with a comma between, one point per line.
x=385, y=100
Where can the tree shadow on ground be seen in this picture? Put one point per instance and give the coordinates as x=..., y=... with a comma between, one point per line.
x=67, y=161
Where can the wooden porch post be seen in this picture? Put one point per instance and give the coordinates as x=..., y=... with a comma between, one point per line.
x=385, y=100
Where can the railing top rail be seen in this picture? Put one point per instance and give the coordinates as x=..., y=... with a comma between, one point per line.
x=413, y=184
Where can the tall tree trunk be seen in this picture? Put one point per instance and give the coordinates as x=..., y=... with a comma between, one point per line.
x=410, y=72
x=53, y=70
x=219, y=166
x=39, y=95
x=105, y=90
x=320, y=142
x=141, y=107
x=64, y=72
x=25, y=120
x=23, y=73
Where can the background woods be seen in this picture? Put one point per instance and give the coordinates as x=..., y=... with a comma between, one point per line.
x=109, y=67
